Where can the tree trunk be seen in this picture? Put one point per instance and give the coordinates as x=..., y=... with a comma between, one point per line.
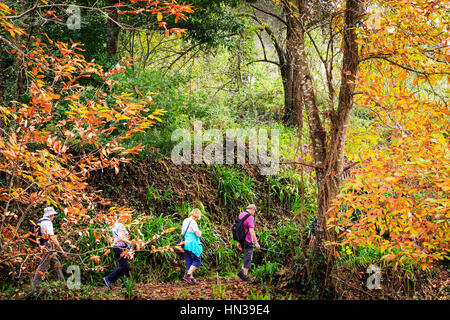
x=293, y=104
x=328, y=149
x=20, y=83
x=21, y=67
x=2, y=81
x=330, y=177
x=113, y=31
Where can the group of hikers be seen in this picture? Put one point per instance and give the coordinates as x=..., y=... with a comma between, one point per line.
x=243, y=232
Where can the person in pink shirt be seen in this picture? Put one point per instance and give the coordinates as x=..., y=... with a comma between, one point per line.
x=250, y=241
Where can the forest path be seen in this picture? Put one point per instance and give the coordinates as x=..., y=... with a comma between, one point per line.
x=206, y=289
x=218, y=288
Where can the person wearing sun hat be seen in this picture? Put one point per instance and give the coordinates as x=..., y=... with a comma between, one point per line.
x=47, y=247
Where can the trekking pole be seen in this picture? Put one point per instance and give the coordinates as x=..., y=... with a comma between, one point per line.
x=215, y=262
x=268, y=250
x=132, y=265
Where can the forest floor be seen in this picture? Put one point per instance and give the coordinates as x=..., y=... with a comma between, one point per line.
x=351, y=286
x=218, y=288
x=232, y=288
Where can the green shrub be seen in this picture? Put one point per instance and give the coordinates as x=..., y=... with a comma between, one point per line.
x=257, y=295
x=235, y=188
x=266, y=272
x=361, y=256
x=293, y=191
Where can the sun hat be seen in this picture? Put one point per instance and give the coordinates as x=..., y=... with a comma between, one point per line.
x=49, y=211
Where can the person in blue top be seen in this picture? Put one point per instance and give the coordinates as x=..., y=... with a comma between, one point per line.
x=121, y=242
x=193, y=247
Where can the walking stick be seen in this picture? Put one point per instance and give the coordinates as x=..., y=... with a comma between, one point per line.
x=268, y=250
x=212, y=258
x=132, y=265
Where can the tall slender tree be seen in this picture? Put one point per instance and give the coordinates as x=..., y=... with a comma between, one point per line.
x=327, y=128
x=113, y=30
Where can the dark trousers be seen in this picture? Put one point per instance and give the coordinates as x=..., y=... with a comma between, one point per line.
x=247, y=248
x=123, y=269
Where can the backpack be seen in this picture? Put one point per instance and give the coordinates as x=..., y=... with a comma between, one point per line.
x=35, y=232
x=238, y=230
x=182, y=237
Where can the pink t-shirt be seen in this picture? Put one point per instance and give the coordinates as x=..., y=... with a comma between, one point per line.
x=248, y=223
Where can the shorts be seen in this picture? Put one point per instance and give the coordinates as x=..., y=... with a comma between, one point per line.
x=191, y=259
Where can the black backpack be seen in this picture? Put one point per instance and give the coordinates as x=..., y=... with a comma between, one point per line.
x=238, y=230
x=35, y=232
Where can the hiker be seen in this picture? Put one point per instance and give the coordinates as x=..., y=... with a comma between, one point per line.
x=192, y=248
x=47, y=243
x=121, y=243
x=250, y=241
x=313, y=233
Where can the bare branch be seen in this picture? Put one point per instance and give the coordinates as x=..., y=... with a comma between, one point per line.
x=270, y=14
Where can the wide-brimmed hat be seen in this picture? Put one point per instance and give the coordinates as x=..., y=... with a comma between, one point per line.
x=251, y=206
x=49, y=211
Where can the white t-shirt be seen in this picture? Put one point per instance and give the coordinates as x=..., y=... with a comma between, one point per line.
x=47, y=228
x=189, y=225
x=115, y=231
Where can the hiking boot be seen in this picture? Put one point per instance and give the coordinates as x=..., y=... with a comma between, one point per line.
x=187, y=278
x=108, y=284
x=242, y=276
x=194, y=281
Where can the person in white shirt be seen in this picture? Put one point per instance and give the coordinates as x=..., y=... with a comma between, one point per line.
x=121, y=242
x=47, y=247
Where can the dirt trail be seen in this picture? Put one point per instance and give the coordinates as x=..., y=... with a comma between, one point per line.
x=208, y=289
